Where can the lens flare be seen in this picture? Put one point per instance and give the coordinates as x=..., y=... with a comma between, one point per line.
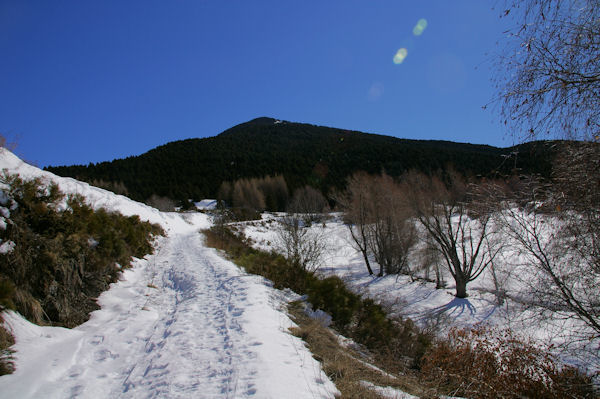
x=420, y=27
x=375, y=91
x=400, y=56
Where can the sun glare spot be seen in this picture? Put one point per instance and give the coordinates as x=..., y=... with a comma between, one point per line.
x=420, y=27
x=400, y=56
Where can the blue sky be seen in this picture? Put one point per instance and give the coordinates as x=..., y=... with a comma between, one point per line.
x=89, y=81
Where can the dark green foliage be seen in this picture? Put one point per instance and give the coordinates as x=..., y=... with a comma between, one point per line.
x=65, y=253
x=397, y=342
x=303, y=154
x=332, y=296
x=373, y=326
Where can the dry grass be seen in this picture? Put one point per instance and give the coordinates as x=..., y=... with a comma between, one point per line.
x=29, y=306
x=347, y=367
x=6, y=341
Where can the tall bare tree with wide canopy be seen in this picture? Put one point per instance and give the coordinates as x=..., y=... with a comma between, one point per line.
x=456, y=222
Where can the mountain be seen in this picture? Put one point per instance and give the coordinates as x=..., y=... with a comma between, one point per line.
x=304, y=154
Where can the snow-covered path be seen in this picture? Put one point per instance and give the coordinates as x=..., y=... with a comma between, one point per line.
x=183, y=323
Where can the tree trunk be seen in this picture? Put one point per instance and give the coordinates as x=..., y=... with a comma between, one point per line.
x=461, y=287
x=367, y=262
x=439, y=279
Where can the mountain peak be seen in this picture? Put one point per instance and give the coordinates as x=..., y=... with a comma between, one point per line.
x=253, y=123
x=263, y=120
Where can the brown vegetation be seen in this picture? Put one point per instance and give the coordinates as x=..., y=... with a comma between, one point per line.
x=309, y=203
x=378, y=217
x=6, y=354
x=489, y=363
x=346, y=366
x=255, y=194
x=163, y=204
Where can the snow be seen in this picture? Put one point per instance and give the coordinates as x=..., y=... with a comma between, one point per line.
x=438, y=310
x=206, y=204
x=388, y=392
x=183, y=322
x=7, y=247
x=4, y=211
x=394, y=393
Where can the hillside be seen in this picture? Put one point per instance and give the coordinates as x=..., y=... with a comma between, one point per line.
x=304, y=154
x=179, y=323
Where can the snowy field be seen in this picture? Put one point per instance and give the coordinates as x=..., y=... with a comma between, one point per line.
x=181, y=323
x=438, y=309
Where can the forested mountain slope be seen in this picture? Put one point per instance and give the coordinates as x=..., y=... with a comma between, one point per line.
x=304, y=154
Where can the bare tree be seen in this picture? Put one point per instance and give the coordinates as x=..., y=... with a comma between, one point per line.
x=548, y=76
x=392, y=232
x=378, y=219
x=310, y=203
x=275, y=191
x=558, y=232
x=356, y=204
x=549, y=86
x=270, y=193
x=114, y=186
x=430, y=259
x=562, y=280
x=245, y=194
x=303, y=246
x=458, y=225
x=4, y=143
x=161, y=203
x=224, y=195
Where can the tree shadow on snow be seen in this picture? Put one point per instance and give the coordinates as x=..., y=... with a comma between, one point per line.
x=454, y=309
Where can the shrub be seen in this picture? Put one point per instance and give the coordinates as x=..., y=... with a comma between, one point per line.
x=66, y=253
x=302, y=246
x=332, y=296
x=164, y=204
x=489, y=363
